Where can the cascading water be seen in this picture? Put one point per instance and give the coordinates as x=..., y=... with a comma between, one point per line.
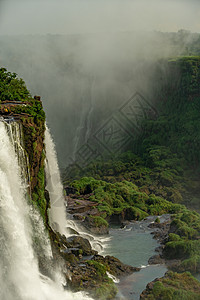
x=54, y=186
x=58, y=219
x=20, y=278
x=15, y=133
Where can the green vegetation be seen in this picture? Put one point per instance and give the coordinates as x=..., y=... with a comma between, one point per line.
x=32, y=119
x=99, y=221
x=165, y=159
x=184, y=242
x=105, y=287
x=178, y=124
x=159, y=174
x=33, y=129
x=38, y=195
x=174, y=286
x=12, y=88
x=100, y=269
x=106, y=291
x=33, y=110
x=123, y=197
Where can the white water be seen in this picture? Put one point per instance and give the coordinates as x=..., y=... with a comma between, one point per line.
x=57, y=211
x=20, y=278
x=15, y=133
x=54, y=186
x=58, y=219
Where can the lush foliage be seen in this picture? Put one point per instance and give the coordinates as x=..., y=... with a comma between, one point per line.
x=161, y=172
x=165, y=160
x=183, y=242
x=32, y=117
x=12, y=88
x=175, y=286
x=178, y=124
x=32, y=109
x=124, y=196
x=107, y=288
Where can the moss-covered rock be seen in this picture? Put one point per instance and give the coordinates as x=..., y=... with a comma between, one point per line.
x=173, y=286
x=17, y=102
x=92, y=276
x=96, y=224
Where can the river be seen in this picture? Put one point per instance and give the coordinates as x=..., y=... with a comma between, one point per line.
x=134, y=245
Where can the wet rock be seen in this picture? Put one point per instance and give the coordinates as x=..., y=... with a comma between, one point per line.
x=81, y=206
x=75, y=251
x=70, y=257
x=155, y=260
x=70, y=190
x=61, y=244
x=80, y=243
x=173, y=264
x=47, y=197
x=124, y=224
x=99, y=229
x=148, y=289
x=72, y=231
x=91, y=276
x=115, y=266
x=79, y=217
x=161, y=230
x=159, y=249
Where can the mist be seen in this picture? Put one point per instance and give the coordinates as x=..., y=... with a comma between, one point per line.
x=92, y=16
x=87, y=58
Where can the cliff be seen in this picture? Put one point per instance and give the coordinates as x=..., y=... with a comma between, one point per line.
x=16, y=104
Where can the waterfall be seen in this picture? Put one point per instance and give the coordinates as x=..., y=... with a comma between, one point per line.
x=15, y=133
x=54, y=186
x=20, y=278
x=57, y=212
x=58, y=218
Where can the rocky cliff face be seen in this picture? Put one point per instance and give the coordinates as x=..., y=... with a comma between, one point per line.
x=16, y=104
x=34, y=129
x=30, y=114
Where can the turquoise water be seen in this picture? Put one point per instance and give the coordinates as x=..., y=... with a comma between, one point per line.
x=132, y=286
x=134, y=245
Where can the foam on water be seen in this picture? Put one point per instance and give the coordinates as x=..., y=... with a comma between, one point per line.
x=20, y=278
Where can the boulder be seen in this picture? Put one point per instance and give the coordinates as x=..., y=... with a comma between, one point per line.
x=155, y=260
x=80, y=243
x=115, y=266
x=93, y=227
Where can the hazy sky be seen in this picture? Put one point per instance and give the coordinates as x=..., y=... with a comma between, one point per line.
x=85, y=16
